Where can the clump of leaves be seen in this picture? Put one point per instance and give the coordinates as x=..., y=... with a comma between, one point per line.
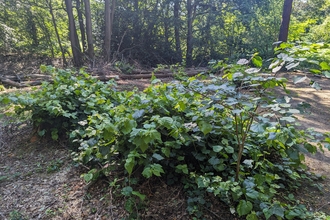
x=215, y=136
x=315, y=57
x=59, y=107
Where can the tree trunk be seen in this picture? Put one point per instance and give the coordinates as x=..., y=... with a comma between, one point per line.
x=166, y=27
x=81, y=24
x=76, y=52
x=189, y=33
x=90, y=43
x=284, y=30
x=32, y=28
x=177, y=30
x=109, y=15
x=49, y=3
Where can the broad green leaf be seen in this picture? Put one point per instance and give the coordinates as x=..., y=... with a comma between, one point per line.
x=242, y=61
x=316, y=86
x=249, y=163
x=138, y=194
x=252, y=70
x=157, y=156
x=244, y=207
x=143, y=146
x=42, y=132
x=104, y=150
x=292, y=65
x=324, y=66
x=147, y=172
x=292, y=214
x=167, y=122
x=129, y=165
x=252, y=216
x=127, y=191
x=326, y=74
x=229, y=149
x=203, y=181
x=277, y=210
x=257, y=61
x=166, y=151
x=183, y=168
x=294, y=111
x=205, y=127
x=88, y=177
x=252, y=194
x=214, y=161
x=217, y=148
x=298, y=79
x=5, y=100
x=138, y=114
x=257, y=128
x=288, y=119
x=128, y=125
x=316, y=71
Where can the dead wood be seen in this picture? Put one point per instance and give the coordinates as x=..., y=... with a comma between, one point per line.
x=22, y=80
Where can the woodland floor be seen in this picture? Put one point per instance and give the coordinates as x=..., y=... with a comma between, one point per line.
x=38, y=179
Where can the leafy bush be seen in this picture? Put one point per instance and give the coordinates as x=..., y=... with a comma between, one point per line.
x=313, y=56
x=228, y=137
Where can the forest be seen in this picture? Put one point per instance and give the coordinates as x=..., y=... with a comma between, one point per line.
x=152, y=32
x=165, y=109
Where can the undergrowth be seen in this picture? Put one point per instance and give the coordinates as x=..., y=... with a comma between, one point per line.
x=226, y=136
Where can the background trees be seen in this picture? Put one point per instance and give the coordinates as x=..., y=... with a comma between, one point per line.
x=154, y=31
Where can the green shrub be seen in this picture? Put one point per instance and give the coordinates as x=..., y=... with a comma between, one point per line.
x=225, y=136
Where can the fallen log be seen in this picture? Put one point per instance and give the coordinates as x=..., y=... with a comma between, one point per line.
x=22, y=84
x=162, y=74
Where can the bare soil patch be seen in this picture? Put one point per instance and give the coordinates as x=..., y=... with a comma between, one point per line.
x=38, y=179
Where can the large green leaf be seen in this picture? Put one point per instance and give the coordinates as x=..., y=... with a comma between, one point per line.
x=205, y=127
x=257, y=61
x=244, y=207
x=324, y=66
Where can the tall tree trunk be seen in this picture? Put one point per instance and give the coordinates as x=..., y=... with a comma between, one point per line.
x=109, y=16
x=41, y=21
x=166, y=26
x=49, y=3
x=76, y=51
x=177, y=30
x=90, y=43
x=136, y=23
x=32, y=28
x=189, y=34
x=284, y=30
x=81, y=24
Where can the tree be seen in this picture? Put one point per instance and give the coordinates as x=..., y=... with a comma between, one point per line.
x=284, y=29
x=177, y=29
x=81, y=24
x=75, y=46
x=109, y=16
x=50, y=6
x=190, y=19
x=90, y=43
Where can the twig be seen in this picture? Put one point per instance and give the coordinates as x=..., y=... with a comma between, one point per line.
x=4, y=217
x=328, y=203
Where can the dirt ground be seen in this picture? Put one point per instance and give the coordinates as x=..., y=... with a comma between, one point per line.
x=38, y=179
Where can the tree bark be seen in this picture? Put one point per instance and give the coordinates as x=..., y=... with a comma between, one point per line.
x=189, y=33
x=81, y=24
x=109, y=16
x=49, y=3
x=76, y=51
x=177, y=30
x=89, y=31
x=284, y=29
